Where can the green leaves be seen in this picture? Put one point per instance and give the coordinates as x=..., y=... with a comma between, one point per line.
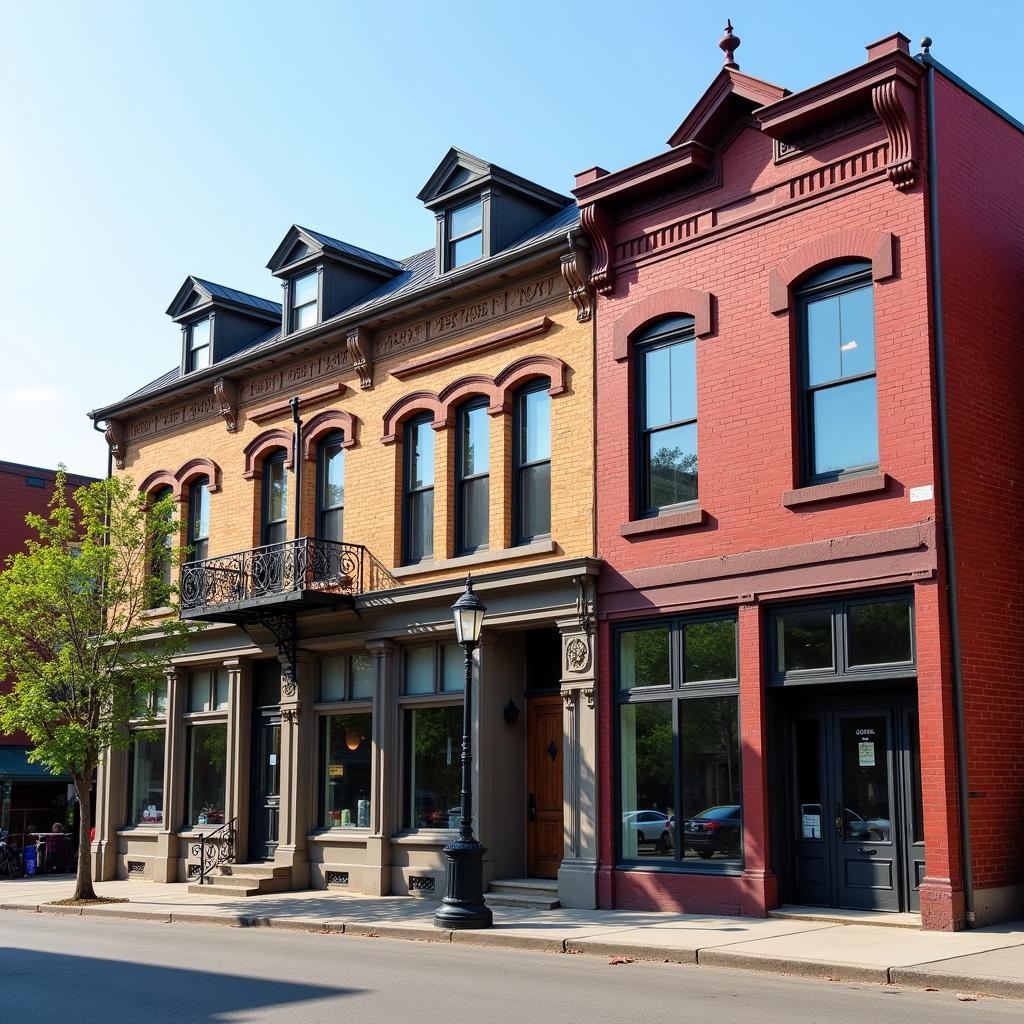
x=74, y=633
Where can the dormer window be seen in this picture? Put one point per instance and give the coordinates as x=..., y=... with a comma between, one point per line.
x=465, y=228
x=198, y=353
x=304, y=301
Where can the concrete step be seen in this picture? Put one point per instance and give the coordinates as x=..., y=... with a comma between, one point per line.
x=530, y=893
x=195, y=889
x=258, y=870
x=244, y=880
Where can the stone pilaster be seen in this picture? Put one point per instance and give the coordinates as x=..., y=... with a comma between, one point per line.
x=239, y=755
x=111, y=780
x=174, y=778
x=577, y=875
x=384, y=791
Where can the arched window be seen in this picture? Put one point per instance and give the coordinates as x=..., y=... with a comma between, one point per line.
x=160, y=559
x=274, y=517
x=531, y=462
x=199, y=518
x=666, y=402
x=418, y=491
x=330, y=490
x=839, y=408
x=472, y=477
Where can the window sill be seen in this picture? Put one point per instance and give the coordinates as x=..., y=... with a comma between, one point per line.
x=339, y=834
x=850, y=487
x=142, y=830
x=426, y=837
x=157, y=613
x=537, y=547
x=659, y=524
x=704, y=868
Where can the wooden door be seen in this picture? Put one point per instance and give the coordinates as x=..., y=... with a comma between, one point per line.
x=544, y=827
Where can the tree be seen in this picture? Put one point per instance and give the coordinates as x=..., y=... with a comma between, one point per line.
x=73, y=634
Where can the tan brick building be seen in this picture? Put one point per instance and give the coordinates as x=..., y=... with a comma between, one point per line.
x=445, y=407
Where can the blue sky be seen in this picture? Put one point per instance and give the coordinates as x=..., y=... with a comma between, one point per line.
x=143, y=142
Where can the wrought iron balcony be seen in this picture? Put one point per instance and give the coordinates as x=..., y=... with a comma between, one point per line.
x=292, y=575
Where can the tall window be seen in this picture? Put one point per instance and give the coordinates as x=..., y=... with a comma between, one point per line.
x=199, y=518
x=146, y=760
x=198, y=349
x=331, y=487
x=465, y=230
x=837, y=341
x=275, y=499
x=678, y=741
x=531, y=470
x=472, y=479
x=418, y=532
x=160, y=560
x=304, y=301
x=666, y=378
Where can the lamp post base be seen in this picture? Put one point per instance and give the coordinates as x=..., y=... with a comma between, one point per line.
x=463, y=905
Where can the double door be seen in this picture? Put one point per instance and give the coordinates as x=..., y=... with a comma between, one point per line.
x=856, y=838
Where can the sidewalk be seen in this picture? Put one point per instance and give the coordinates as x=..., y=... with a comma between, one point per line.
x=986, y=960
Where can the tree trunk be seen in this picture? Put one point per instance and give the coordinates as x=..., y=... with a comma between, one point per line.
x=83, y=883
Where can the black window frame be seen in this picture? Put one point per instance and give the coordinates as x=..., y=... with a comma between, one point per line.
x=191, y=348
x=450, y=240
x=677, y=329
x=199, y=546
x=677, y=692
x=277, y=457
x=408, y=456
x=348, y=698
x=334, y=440
x=520, y=466
x=841, y=668
x=849, y=276
x=161, y=562
x=294, y=307
x=462, y=520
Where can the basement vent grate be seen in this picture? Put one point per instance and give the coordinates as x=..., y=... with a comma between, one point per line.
x=336, y=878
x=193, y=871
x=136, y=867
x=421, y=883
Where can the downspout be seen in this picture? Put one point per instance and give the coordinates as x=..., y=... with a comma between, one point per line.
x=952, y=597
x=297, y=464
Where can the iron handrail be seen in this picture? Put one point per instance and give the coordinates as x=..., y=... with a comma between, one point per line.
x=215, y=848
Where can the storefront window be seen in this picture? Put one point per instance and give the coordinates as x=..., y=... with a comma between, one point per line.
x=879, y=633
x=679, y=752
x=433, y=766
x=805, y=640
x=146, y=767
x=345, y=747
x=206, y=765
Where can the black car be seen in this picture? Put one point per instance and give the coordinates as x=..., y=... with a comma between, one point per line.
x=716, y=830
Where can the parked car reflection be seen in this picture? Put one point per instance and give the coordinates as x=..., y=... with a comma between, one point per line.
x=878, y=829
x=652, y=829
x=715, y=830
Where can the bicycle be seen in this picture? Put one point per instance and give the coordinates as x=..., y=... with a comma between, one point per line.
x=10, y=857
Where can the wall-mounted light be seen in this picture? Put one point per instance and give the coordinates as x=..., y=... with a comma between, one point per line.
x=510, y=712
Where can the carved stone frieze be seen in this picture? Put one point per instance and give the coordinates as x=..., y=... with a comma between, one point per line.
x=569, y=699
x=225, y=392
x=589, y=697
x=360, y=350
x=575, y=269
x=577, y=654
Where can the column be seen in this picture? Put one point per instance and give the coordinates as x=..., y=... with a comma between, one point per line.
x=385, y=809
x=577, y=876
x=110, y=786
x=174, y=779
x=298, y=744
x=489, y=811
x=239, y=753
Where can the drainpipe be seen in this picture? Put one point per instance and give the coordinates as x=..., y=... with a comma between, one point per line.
x=952, y=596
x=297, y=464
x=106, y=512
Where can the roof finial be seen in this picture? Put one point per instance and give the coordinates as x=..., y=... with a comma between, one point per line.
x=926, y=44
x=728, y=44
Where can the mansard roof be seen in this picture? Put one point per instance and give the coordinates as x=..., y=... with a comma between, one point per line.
x=303, y=244
x=460, y=173
x=195, y=293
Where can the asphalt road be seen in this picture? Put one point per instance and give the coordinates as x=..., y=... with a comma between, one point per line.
x=80, y=970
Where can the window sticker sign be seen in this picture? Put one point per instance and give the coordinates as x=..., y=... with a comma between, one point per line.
x=812, y=826
x=866, y=753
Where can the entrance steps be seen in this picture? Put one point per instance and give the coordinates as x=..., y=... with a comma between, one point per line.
x=245, y=880
x=531, y=893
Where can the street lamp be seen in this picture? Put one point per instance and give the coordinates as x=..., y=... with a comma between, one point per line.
x=463, y=904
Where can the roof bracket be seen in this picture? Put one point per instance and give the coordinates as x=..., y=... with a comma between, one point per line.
x=282, y=626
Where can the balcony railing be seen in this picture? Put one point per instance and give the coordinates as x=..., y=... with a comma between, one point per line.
x=303, y=568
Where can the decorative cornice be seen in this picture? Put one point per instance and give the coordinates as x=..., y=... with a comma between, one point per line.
x=599, y=226
x=324, y=423
x=498, y=390
x=225, y=393
x=691, y=301
x=575, y=269
x=531, y=329
x=894, y=102
x=360, y=350
x=263, y=443
x=115, y=438
x=268, y=412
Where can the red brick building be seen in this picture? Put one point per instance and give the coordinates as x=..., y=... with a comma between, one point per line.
x=30, y=798
x=821, y=293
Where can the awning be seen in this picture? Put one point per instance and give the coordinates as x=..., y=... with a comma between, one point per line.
x=16, y=767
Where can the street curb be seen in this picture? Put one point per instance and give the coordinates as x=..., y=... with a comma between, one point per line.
x=1009, y=988
x=129, y=915
x=397, y=931
x=224, y=920
x=299, y=924
x=45, y=908
x=601, y=947
x=508, y=940
x=787, y=965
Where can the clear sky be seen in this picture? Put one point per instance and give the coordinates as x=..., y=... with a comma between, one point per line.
x=145, y=141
